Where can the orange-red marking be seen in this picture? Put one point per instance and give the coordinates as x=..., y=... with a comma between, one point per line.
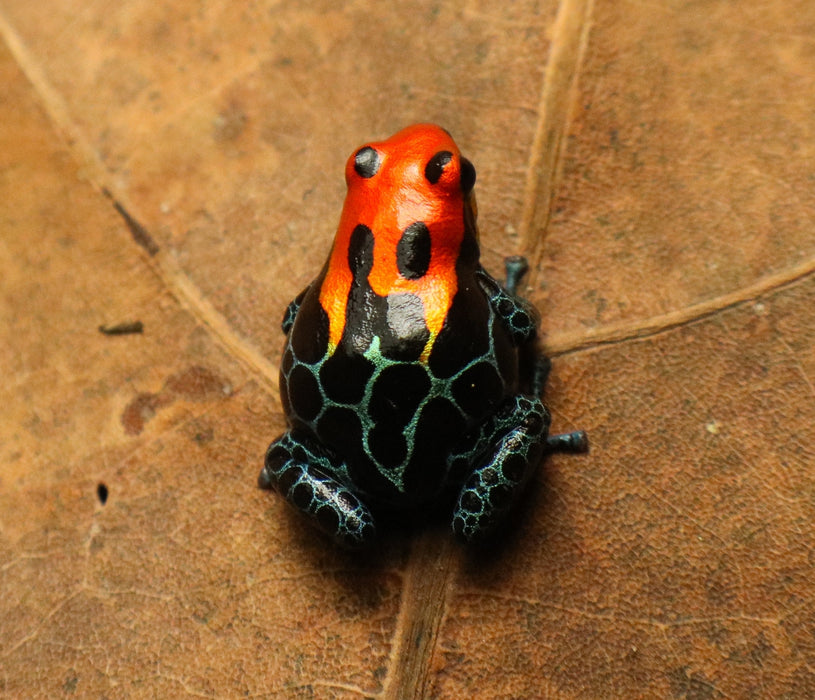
x=397, y=196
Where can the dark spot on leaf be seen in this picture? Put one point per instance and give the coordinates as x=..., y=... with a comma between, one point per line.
x=229, y=124
x=192, y=384
x=198, y=384
x=202, y=437
x=140, y=410
x=690, y=686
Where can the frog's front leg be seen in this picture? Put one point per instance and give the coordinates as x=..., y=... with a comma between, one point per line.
x=302, y=474
x=507, y=451
x=518, y=316
x=516, y=267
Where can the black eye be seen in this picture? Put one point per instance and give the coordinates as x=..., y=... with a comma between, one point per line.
x=435, y=166
x=366, y=162
x=467, y=175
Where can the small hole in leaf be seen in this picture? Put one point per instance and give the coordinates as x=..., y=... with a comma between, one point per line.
x=102, y=493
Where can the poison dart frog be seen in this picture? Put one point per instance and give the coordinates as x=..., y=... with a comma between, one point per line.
x=400, y=375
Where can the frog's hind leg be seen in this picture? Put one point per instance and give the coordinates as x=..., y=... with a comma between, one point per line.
x=301, y=475
x=514, y=441
x=575, y=442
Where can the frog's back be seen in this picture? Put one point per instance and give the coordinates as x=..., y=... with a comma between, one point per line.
x=390, y=412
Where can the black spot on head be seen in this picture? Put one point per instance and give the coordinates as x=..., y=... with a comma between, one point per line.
x=413, y=251
x=367, y=162
x=361, y=251
x=435, y=166
x=364, y=307
x=102, y=492
x=467, y=176
x=397, y=394
x=478, y=390
x=344, y=377
x=304, y=393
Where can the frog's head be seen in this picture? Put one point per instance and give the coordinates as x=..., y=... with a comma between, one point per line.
x=416, y=175
x=407, y=225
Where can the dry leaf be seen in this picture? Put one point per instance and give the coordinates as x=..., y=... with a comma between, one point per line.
x=180, y=166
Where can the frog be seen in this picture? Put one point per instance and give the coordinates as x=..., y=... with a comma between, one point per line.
x=403, y=378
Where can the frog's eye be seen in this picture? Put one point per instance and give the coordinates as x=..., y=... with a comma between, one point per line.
x=367, y=162
x=435, y=166
x=467, y=175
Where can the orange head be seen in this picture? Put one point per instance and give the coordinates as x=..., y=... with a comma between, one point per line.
x=411, y=191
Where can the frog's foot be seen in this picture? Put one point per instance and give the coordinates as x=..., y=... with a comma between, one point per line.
x=300, y=474
x=518, y=438
x=576, y=442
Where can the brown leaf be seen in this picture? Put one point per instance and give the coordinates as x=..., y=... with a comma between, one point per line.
x=181, y=166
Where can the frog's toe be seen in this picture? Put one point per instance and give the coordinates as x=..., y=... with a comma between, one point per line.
x=576, y=442
x=330, y=505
